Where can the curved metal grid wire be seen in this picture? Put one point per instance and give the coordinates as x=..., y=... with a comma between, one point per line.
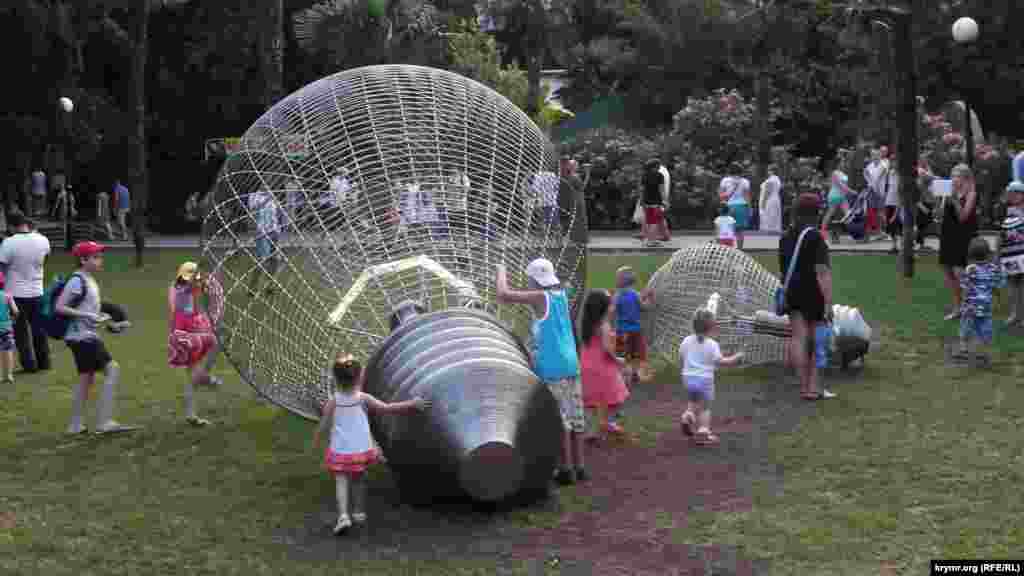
x=371, y=187
x=688, y=280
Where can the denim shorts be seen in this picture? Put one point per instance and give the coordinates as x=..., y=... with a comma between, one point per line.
x=822, y=339
x=700, y=388
x=264, y=247
x=6, y=340
x=979, y=327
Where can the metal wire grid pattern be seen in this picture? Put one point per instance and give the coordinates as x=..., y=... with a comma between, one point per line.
x=362, y=168
x=686, y=282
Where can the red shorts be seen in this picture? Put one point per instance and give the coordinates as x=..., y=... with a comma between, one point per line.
x=652, y=215
x=631, y=345
x=727, y=242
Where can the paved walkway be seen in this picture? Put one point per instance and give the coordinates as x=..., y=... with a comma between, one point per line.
x=612, y=241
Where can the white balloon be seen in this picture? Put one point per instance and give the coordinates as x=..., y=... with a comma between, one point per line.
x=965, y=30
x=66, y=104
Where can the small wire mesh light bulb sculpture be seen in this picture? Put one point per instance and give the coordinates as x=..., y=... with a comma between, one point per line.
x=741, y=293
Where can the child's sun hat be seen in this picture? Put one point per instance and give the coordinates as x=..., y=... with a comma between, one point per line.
x=189, y=271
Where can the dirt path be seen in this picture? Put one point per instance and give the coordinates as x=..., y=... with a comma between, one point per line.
x=637, y=494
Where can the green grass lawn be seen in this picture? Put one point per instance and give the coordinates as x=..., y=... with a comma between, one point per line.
x=915, y=460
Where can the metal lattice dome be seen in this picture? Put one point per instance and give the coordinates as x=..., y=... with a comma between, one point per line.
x=369, y=188
x=687, y=282
x=741, y=293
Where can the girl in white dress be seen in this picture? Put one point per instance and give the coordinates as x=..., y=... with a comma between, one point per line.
x=351, y=450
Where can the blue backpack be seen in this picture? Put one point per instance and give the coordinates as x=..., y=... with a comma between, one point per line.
x=56, y=325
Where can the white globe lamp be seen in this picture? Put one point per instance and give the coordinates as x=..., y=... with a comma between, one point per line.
x=66, y=104
x=965, y=30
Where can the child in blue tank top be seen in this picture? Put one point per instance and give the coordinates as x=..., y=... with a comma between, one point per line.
x=8, y=311
x=554, y=355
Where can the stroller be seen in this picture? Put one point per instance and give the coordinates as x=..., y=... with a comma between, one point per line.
x=855, y=219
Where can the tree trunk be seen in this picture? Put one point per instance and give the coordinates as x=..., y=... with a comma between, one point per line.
x=274, y=54
x=908, y=148
x=140, y=196
x=534, y=55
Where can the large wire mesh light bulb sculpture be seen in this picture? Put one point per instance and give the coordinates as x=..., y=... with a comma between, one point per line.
x=741, y=294
x=374, y=191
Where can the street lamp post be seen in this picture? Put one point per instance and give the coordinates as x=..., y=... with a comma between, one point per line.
x=965, y=31
x=68, y=107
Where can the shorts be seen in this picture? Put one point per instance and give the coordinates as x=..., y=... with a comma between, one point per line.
x=549, y=214
x=631, y=346
x=741, y=214
x=652, y=215
x=979, y=327
x=6, y=340
x=699, y=388
x=822, y=341
x=727, y=242
x=836, y=199
x=90, y=355
x=569, y=394
x=264, y=247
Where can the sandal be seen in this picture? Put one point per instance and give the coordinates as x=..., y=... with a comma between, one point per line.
x=706, y=438
x=197, y=421
x=689, y=422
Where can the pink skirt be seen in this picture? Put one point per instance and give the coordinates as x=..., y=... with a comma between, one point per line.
x=186, y=348
x=350, y=463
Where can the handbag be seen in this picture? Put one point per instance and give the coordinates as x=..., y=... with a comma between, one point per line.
x=780, y=292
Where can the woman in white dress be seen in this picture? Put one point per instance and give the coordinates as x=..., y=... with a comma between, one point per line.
x=770, y=203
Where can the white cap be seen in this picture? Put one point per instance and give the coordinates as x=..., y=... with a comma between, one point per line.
x=542, y=271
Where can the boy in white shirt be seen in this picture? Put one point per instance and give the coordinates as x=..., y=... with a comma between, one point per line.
x=725, y=226
x=699, y=357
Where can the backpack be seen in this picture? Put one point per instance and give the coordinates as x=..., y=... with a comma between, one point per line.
x=56, y=325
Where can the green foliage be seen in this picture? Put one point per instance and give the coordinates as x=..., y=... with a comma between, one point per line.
x=475, y=54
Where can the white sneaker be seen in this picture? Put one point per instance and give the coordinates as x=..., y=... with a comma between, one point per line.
x=952, y=315
x=827, y=394
x=358, y=517
x=344, y=523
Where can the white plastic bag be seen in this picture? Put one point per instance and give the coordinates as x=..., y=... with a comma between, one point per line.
x=638, y=213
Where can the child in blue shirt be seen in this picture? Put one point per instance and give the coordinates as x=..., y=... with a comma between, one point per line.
x=977, y=283
x=630, y=343
x=554, y=355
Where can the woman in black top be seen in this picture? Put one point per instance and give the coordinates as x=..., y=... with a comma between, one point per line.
x=959, y=227
x=809, y=294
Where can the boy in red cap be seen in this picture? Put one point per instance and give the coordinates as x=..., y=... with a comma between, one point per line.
x=8, y=312
x=83, y=338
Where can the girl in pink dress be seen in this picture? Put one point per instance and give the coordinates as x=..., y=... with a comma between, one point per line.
x=604, y=390
x=190, y=331
x=351, y=448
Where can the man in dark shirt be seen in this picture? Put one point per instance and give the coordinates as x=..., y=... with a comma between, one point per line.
x=809, y=294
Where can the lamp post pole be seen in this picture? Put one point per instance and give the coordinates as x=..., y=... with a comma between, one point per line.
x=68, y=106
x=965, y=31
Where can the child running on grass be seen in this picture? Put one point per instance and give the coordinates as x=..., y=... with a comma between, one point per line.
x=699, y=357
x=8, y=312
x=603, y=388
x=80, y=301
x=351, y=450
x=190, y=335
x=629, y=337
x=977, y=283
